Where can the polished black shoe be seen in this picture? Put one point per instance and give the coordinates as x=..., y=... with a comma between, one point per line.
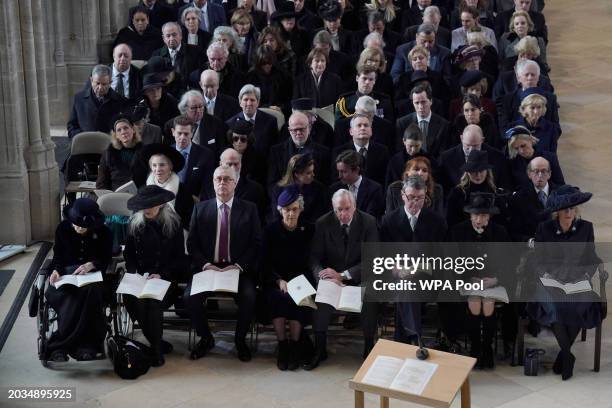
x=202, y=348
x=282, y=355
x=488, y=358
x=244, y=354
x=558, y=364
x=166, y=347
x=158, y=360
x=568, y=365
x=319, y=356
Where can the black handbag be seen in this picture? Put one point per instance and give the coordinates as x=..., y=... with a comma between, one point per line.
x=130, y=358
x=532, y=361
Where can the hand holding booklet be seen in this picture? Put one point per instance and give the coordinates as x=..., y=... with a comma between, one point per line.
x=301, y=291
x=498, y=293
x=411, y=376
x=215, y=281
x=143, y=288
x=568, y=288
x=78, y=280
x=346, y=298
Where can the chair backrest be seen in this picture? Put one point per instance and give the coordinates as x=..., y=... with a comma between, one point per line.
x=90, y=143
x=327, y=114
x=115, y=204
x=280, y=118
x=139, y=63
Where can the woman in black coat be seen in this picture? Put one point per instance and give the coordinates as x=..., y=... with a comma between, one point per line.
x=274, y=83
x=286, y=59
x=155, y=245
x=192, y=33
x=162, y=106
x=83, y=244
x=286, y=248
x=142, y=37
x=473, y=114
x=318, y=83
x=240, y=137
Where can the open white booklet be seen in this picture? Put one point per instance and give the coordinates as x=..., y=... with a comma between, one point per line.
x=215, y=281
x=411, y=376
x=569, y=288
x=79, y=280
x=301, y=291
x=346, y=298
x=143, y=288
x=128, y=187
x=497, y=293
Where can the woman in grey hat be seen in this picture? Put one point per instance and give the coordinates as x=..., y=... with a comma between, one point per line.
x=155, y=246
x=565, y=252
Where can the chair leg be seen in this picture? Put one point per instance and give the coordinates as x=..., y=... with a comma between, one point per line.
x=583, y=334
x=597, y=354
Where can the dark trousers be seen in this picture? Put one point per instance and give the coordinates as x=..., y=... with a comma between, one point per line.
x=245, y=299
x=408, y=321
x=369, y=319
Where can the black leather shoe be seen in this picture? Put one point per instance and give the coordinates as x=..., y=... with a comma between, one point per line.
x=244, y=354
x=205, y=344
x=568, y=366
x=316, y=360
x=282, y=358
x=293, y=359
x=58, y=356
x=166, y=347
x=158, y=360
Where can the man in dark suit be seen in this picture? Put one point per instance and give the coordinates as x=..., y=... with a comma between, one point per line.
x=502, y=20
x=159, y=13
x=221, y=106
x=321, y=132
x=231, y=80
x=185, y=58
x=439, y=56
x=208, y=131
x=213, y=15
x=376, y=23
x=376, y=156
x=368, y=193
x=452, y=160
x=225, y=233
x=265, y=127
x=434, y=127
x=528, y=204
x=507, y=83
x=298, y=143
x=336, y=256
x=199, y=160
x=96, y=104
x=382, y=130
x=412, y=223
x=126, y=78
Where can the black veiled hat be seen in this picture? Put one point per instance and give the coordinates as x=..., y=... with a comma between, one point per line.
x=149, y=197
x=177, y=159
x=85, y=213
x=303, y=162
x=566, y=196
x=481, y=203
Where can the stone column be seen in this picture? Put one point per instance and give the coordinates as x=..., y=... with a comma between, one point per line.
x=29, y=181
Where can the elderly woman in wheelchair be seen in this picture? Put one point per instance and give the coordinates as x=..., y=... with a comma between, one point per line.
x=154, y=245
x=82, y=245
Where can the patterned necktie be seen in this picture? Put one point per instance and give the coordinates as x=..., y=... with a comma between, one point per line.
x=224, y=234
x=423, y=127
x=120, y=90
x=173, y=56
x=542, y=197
x=353, y=189
x=363, y=152
x=413, y=221
x=183, y=173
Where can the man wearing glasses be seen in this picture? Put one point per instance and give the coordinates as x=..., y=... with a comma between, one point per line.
x=299, y=143
x=225, y=233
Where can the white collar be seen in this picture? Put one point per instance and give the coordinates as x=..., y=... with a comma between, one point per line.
x=251, y=118
x=546, y=189
x=228, y=203
x=209, y=100
x=410, y=215
x=126, y=73
x=358, y=182
x=426, y=119
x=358, y=148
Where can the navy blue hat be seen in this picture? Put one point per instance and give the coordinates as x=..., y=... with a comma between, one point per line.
x=536, y=90
x=85, y=213
x=477, y=160
x=470, y=78
x=566, y=196
x=330, y=10
x=516, y=130
x=288, y=196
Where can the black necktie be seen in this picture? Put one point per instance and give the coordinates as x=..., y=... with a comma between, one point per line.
x=120, y=90
x=345, y=234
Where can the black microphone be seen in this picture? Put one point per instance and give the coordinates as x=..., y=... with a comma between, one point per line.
x=422, y=353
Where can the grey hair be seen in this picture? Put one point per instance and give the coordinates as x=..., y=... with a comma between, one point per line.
x=414, y=182
x=373, y=36
x=432, y=10
x=101, y=70
x=250, y=89
x=228, y=32
x=322, y=37
x=343, y=192
x=167, y=218
x=170, y=24
x=182, y=105
x=528, y=44
x=522, y=65
x=192, y=9
x=217, y=46
x=367, y=103
x=300, y=201
x=357, y=116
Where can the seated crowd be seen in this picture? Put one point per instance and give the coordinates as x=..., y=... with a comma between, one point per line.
x=445, y=128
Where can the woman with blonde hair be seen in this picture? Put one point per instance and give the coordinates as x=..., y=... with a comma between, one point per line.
x=521, y=26
x=418, y=57
x=243, y=24
x=533, y=111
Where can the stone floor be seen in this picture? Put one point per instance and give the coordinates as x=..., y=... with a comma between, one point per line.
x=581, y=57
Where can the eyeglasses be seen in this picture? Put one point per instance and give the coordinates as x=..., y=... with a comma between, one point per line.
x=296, y=130
x=225, y=179
x=413, y=199
x=232, y=164
x=242, y=139
x=543, y=172
x=196, y=108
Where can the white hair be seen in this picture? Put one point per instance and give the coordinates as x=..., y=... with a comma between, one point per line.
x=167, y=218
x=182, y=105
x=521, y=66
x=343, y=193
x=250, y=89
x=366, y=103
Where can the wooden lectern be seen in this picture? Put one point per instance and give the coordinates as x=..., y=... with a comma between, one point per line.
x=451, y=375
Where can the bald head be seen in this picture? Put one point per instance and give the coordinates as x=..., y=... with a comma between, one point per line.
x=538, y=171
x=122, y=57
x=231, y=158
x=472, y=138
x=209, y=82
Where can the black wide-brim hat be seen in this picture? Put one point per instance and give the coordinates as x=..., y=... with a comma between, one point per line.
x=85, y=213
x=566, y=196
x=478, y=160
x=157, y=65
x=151, y=81
x=176, y=158
x=149, y=197
x=285, y=10
x=470, y=78
x=481, y=203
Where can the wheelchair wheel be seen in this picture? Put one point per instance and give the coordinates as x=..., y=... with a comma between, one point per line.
x=121, y=321
x=46, y=321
